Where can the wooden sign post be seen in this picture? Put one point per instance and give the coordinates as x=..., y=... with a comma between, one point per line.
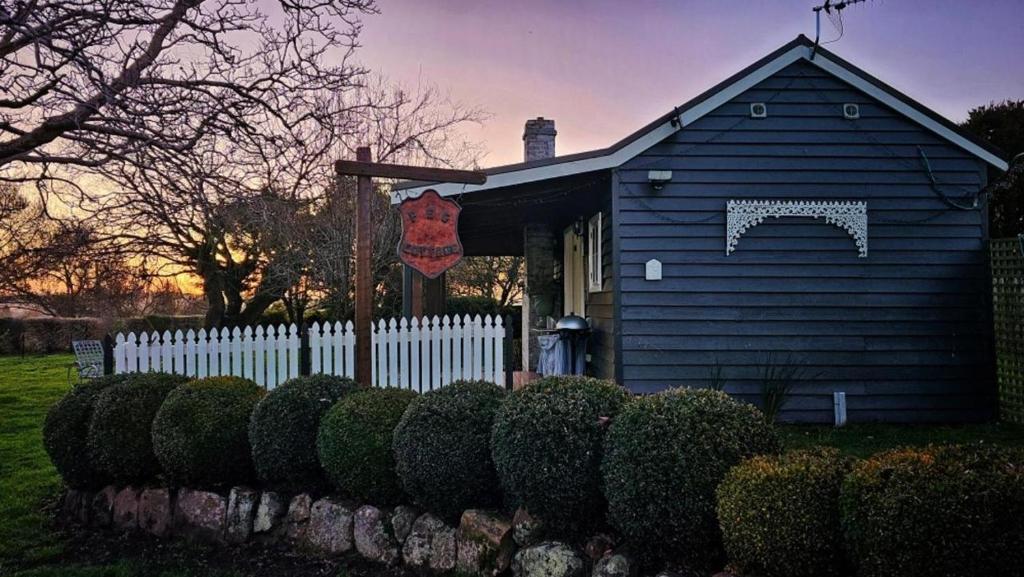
x=365, y=169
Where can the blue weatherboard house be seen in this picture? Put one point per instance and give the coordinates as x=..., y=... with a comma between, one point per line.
x=800, y=218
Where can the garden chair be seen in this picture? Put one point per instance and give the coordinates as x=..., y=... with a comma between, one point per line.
x=88, y=360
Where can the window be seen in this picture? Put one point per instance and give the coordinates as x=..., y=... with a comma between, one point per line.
x=595, y=277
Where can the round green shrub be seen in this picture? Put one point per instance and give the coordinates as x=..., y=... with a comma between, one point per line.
x=954, y=510
x=547, y=446
x=283, y=431
x=664, y=457
x=354, y=444
x=443, y=451
x=119, y=439
x=65, y=431
x=200, y=434
x=779, y=516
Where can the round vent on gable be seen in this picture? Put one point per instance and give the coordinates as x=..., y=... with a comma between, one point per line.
x=851, y=111
x=758, y=110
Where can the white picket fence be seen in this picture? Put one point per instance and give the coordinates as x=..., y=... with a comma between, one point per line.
x=420, y=354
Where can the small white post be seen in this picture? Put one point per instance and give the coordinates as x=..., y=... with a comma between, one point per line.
x=839, y=404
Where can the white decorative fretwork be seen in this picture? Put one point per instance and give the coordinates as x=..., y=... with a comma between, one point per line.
x=742, y=215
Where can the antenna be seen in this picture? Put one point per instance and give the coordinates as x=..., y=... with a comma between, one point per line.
x=835, y=17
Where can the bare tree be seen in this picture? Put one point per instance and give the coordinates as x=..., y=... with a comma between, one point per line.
x=499, y=278
x=260, y=219
x=87, y=82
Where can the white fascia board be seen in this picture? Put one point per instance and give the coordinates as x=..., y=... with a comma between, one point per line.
x=693, y=114
x=906, y=110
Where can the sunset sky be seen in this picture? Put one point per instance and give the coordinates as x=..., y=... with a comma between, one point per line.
x=603, y=68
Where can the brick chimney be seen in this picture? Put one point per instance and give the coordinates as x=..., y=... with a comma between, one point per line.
x=539, y=139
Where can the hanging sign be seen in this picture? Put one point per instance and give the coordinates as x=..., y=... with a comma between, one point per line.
x=430, y=233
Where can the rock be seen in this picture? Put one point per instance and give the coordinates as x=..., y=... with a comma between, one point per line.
x=431, y=544
x=485, y=543
x=296, y=521
x=373, y=537
x=614, y=565
x=126, y=509
x=269, y=513
x=200, y=514
x=548, y=559
x=330, y=527
x=402, y=519
x=75, y=507
x=238, y=522
x=155, y=512
x=598, y=545
x=103, y=507
x=526, y=529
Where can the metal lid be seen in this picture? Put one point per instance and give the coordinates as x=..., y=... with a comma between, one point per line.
x=572, y=323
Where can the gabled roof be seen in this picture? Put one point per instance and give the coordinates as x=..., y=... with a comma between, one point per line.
x=801, y=48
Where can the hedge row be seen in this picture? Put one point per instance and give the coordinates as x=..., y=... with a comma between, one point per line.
x=688, y=476
x=950, y=510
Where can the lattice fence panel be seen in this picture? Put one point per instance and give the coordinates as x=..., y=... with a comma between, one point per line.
x=1008, y=315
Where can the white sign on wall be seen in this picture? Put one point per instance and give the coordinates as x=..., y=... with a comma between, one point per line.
x=652, y=270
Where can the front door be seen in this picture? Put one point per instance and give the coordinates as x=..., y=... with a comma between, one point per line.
x=574, y=278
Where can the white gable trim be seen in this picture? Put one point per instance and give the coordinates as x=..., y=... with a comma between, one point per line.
x=691, y=115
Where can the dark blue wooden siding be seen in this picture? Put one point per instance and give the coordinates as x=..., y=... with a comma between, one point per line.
x=601, y=305
x=904, y=332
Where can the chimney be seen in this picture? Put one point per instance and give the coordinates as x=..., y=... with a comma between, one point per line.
x=539, y=139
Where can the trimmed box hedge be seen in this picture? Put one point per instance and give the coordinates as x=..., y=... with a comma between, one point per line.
x=443, y=451
x=780, y=515
x=665, y=455
x=354, y=444
x=950, y=510
x=547, y=445
x=201, y=432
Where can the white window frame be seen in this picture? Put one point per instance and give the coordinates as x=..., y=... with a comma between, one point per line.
x=595, y=269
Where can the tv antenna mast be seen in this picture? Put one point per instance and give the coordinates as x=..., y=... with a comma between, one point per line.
x=834, y=12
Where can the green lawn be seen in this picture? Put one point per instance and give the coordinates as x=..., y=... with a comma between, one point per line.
x=30, y=546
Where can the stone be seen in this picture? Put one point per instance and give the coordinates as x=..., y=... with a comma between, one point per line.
x=126, y=509
x=200, y=515
x=598, y=545
x=269, y=513
x=296, y=521
x=485, y=543
x=526, y=529
x=402, y=518
x=373, y=537
x=238, y=521
x=330, y=527
x=75, y=507
x=548, y=559
x=614, y=565
x=431, y=544
x=156, y=515
x=103, y=507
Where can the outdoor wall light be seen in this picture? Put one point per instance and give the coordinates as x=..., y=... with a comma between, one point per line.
x=659, y=178
x=577, y=227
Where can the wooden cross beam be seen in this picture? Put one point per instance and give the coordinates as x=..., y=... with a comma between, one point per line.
x=364, y=168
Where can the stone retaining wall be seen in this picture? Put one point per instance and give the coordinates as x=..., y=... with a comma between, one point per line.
x=485, y=543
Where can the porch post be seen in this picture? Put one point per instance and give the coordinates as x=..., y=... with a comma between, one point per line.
x=435, y=291
x=539, y=247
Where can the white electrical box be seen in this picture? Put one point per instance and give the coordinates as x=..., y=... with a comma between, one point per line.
x=652, y=270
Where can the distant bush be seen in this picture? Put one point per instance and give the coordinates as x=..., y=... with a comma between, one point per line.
x=954, y=510
x=283, y=431
x=48, y=334
x=354, y=444
x=547, y=446
x=665, y=456
x=780, y=515
x=200, y=433
x=442, y=448
x=477, y=305
x=119, y=440
x=66, y=429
